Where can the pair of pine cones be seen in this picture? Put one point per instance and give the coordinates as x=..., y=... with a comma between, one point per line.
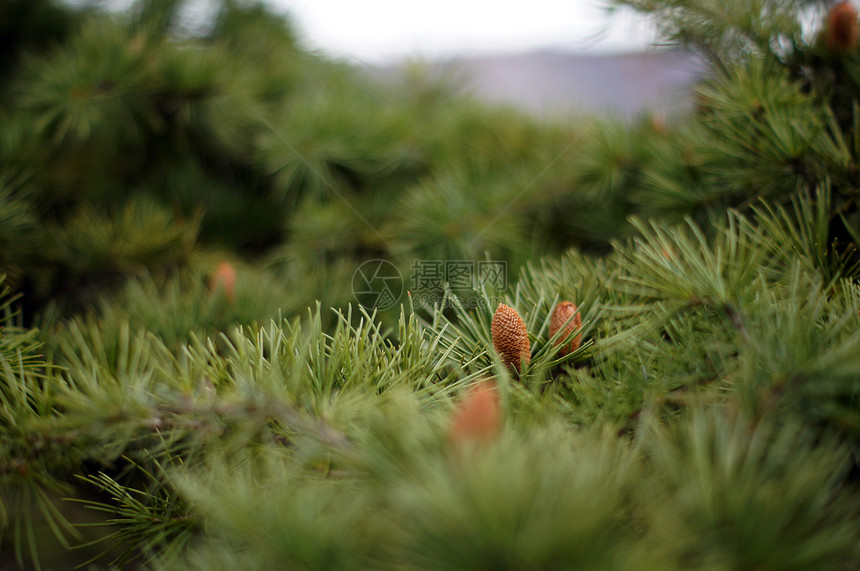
x=511, y=339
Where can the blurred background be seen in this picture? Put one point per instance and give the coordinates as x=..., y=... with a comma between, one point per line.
x=383, y=31
x=386, y=30
x=547, y=57
x=152, y=141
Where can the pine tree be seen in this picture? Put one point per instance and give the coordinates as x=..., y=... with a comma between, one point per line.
x=173, y=200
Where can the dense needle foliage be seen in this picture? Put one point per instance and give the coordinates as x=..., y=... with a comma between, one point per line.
x=191, y=375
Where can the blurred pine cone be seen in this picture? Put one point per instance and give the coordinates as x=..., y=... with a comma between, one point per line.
x=477, y=418
x=840, y=32
x=566, y=316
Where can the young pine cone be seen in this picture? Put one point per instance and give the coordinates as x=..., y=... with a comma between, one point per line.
x=510, y=337
x=841, y=30
x=224, y=279
x=478, y=417
x=565, y=315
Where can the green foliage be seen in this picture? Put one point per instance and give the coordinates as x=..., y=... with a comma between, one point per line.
x=144, y=519
x=727, y=32
x=173, y=199
x=18, y=230
x=746, y=496
x=459, y=217
x=141, y=234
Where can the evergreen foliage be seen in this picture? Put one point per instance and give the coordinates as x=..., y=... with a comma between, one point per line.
x=157, y=410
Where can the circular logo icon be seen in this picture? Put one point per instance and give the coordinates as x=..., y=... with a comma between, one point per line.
x=377, y=284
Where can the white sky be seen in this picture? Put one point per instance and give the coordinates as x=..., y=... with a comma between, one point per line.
x=379, y=31
x=385, y=30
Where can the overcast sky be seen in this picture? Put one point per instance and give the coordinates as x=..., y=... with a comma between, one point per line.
x=388, y=30
x=384, y=30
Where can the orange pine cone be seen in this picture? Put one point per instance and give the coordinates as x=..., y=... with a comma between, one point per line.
x=224, y=278
x=478, y=416
x=565, y=315
x=840, y=33
x=510, y=337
